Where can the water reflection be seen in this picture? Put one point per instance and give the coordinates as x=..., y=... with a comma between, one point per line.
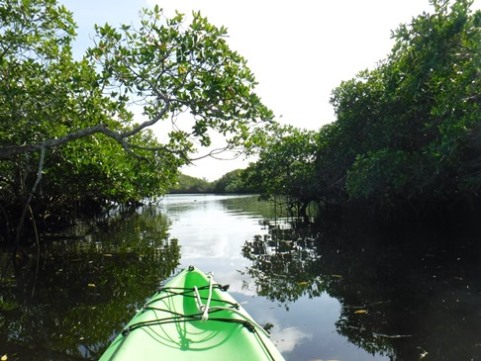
x=212, y=231
x=284, y=263
x=213, y=228
x=397, y=299
x=339, y=295
x=68, y=303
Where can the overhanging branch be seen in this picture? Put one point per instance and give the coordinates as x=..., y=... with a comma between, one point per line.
x=121, y=137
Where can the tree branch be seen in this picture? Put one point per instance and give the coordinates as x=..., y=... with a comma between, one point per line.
x=13, y=150
x=214, y=154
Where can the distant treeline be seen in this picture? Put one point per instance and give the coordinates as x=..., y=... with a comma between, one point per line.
x=232, y=182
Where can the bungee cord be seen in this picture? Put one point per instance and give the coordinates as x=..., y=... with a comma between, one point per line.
x=205, y=311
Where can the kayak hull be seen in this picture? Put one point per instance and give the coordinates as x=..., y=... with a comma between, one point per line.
x=192, y=318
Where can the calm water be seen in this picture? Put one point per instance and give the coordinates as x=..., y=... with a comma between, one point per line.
x=328, y=295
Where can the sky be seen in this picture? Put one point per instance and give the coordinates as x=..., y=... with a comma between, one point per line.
x=299, y=50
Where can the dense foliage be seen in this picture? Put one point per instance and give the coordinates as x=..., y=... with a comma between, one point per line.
x=286, y=166
x=234, y=182
x=188, y=184
x=412, y=123
x=74, y=134
x=407, y=133
x=231, y=182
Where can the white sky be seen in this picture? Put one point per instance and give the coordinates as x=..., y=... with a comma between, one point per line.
x=298, y=50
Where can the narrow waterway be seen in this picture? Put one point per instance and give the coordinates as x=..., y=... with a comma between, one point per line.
x=326, y=295
x=213, y=231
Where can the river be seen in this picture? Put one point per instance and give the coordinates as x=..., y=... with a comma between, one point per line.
x=326, y=295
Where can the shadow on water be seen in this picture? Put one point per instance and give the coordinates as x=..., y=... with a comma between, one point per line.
x=406, y=296
x=68, y=303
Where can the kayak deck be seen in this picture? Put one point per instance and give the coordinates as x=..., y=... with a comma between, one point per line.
x=192, y=317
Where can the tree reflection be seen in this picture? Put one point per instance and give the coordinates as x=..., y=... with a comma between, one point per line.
x=70, y=302
x=407, y=297
x=284, y=263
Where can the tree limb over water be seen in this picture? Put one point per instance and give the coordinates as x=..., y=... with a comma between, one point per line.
x=94, y=117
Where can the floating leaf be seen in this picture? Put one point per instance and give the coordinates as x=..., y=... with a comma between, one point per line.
x=91, y=285
x=423, y=355
x=4, y=358
x=303, y=283
x=268, y=326
x=360, y=312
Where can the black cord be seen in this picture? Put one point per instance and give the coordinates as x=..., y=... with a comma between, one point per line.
x=189, y=292
x=168, y=292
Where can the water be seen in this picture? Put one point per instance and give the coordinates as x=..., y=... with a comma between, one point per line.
x=213, y=231
x=328, y=295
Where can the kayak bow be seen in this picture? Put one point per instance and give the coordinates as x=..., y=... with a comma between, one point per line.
x=192, y=318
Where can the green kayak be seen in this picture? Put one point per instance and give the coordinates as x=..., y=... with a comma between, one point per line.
x=192, y=318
